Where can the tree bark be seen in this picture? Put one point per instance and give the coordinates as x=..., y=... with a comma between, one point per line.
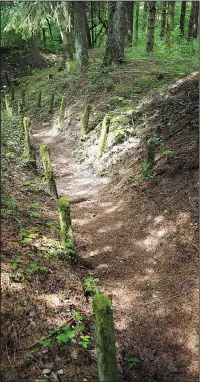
x=80, y=33
x=151, y=26
x=36, y=59
x=163, y=20
x=64, y=19
x=92, y=22
x=170, y=21
x=137, y=21
x=89, y=41
x=130, y=9
x=116, y=32
x=182, y=17
x=193, y=22
x=145, y=15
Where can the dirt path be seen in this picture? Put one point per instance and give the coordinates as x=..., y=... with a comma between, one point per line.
x=141, y=245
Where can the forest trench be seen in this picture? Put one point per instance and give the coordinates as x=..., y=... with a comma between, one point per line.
x=132, y=237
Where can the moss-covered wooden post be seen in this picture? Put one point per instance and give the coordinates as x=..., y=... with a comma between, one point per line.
x=23, y=94
x=65, y=221
x=104, y=134
x=85, y=121
x=105, y=338
x=29, y=156
x=12, y=93
x=150, y=152
x=39, y=100
x=7, y=105
x=51, y=103
x=48, y=170
x=19, y=108
x=62, y=110
x=2, y=99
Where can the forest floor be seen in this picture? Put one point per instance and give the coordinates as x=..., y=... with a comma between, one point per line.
x=138, y=236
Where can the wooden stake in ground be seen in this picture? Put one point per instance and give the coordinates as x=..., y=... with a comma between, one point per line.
x=51, y=103
x=44, y=152
x=7, y=105
x=39, y=99
x=105, y=338
x=12, y=93
x=29, y=156
x=62, y=110
x=150, y=152
x=65, y=221
x=104, y=134
x=23, y=97
x=85, y=121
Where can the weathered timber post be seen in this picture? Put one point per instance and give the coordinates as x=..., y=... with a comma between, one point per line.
x=44, y=152
x=19, y=108
x=62, y=110
x=29, y=156
x=85, y=121
x=150, y=152
x=39, y=100
x=23, y=96
x=105, y=338
x=7, y=105
x=12, y=93
x=65, y=221
x=51, y=103
x=104, y=134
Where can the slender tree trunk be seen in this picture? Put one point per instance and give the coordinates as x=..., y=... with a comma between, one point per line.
x=117, y=26
x=170, y=21
x=89, y=41
x=92, y=22
x=130, y=9
x=182, y=17
x=67, y=46
x=151, y=26
x=64, y=19
x=44, y=38
x=80, y=34
x=163, y=20
x=137, y=20
x=145, y=15
x=193, y=22
x=36, y=59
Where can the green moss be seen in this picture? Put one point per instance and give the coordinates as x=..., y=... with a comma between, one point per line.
x=65, y=220
x=29, y=155
x=44, y=152
x=62, y=110
x=104, y=134
x=105, y=338
x=84, y=128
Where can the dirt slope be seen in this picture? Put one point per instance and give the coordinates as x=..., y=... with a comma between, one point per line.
x=141, y=236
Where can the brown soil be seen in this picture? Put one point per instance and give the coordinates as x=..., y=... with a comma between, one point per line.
x=141, y=237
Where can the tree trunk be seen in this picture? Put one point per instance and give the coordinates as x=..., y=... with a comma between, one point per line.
x=170, y=21
x=145, y=15
x=193, y=22
x=182, y=17
x=151, y=26
x=80, y=34
x=66, y=35
x=44, y=38
x=89, y=41
x=64, y=19
x=36, y=59
x=130, y=8
x=137, y=20
x=92, y=22
x=116, y=32
x=163, y=20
